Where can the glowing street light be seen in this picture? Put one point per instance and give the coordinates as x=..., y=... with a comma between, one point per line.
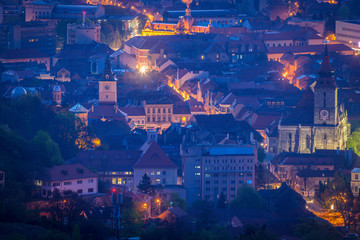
x=158, y=201
x=142, y=70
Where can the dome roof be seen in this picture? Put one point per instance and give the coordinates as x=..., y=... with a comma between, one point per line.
x=56, y=88
x=18, y=91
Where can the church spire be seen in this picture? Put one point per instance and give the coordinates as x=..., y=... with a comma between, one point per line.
x=326, y=72
x=107, y=73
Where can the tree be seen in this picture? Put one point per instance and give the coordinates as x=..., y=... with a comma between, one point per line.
x=246, y=197
x=204, y=213
x=316, y=230
x=145, y=186
x=261, y=154
x=48, y=150
x=256, y=233
x=221, y=201
x=174, y=200
x=339, y=194
x=354, y=141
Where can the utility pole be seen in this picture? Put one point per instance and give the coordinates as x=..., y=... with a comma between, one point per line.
x=117, y=200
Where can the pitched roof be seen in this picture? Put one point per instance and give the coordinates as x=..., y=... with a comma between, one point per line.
x=133, y=111
x=108, y=160
x=154, y=157
x=306, y=173
x=68, y=172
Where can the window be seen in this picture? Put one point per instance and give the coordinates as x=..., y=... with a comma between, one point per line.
x=164, y=110
x=113, y=181
x=56, y=184
x=158, y=173
x=164, y=173
x=90, y=180
x=164, y=181
x=356, y=176
x=79, y=191
x=79, y=181
x=152, y=173
x=90, y=190
x=197, y=174
x=158, y=180
x=148, y=110
x=153, y=119
x=169, y=119
x=119, y=181
x=153, y=110
x=159, y=110
x=169, y=110
x=356, y=189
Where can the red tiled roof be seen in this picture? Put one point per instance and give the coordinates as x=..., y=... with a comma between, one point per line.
x=107, y=111
x=154, y=157
x=68, y=172
x=133, y=111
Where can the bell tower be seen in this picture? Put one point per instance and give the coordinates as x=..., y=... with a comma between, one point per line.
x=326, y=94
x=107, y=85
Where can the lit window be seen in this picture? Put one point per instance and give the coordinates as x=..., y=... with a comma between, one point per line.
x=158, y=180
x=197, y=166
x=113, y=173
x=197, y=174
x=113, y=181
x=119, y=181
x=158, y=173
x=152, y=172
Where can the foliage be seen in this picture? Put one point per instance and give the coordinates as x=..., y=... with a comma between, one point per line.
x=47, y=149
x=246, y=197
x=354, y=141
x=66, y=206
x=221, y=201
x=204, y=213
x=256, y=233
x=261, y=154
x=34, y=116
x=315, y=230
x=175, y=200
x=131, y=219
x=145, y=186
x=338, y=193
x=216, y=232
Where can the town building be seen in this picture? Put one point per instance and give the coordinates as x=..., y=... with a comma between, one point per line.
x=84, y=33
x=156, y=164
x=2, y=179
x=209, y=170
x=107, y=108
x=319, y=120
x=73, y=177
x=348, y=32
x=355, y=181
x=39, y=35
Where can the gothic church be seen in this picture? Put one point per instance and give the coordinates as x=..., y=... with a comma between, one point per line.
x=319, y=121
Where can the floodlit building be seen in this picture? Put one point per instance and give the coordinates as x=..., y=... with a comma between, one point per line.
x=348, y=32
x=84, y=33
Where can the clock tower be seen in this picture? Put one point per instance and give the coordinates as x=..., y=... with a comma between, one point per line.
x=326, y=95
x=107, y=85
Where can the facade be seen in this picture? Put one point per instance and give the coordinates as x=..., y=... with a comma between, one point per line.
x=74, y=177
x=348, y=32
x=80, y=112
x=83, y=33
x=355, y=181
x=319, y=121
x=209, y=170
x=156, y=164
x=40, y=35
x=158, y=114
x=38, y=10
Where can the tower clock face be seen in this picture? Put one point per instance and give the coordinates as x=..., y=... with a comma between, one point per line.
x=324, y=114
x=107, y=87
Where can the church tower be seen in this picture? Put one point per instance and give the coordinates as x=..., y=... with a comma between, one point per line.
x=326, y=95
x=107, y=85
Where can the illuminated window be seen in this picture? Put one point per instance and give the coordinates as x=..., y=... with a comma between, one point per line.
x=113, y=181
x=119, y=181
x=152, y=173
x=158, y=180
x=113, y=173
x=158, y=173
x=127, y=173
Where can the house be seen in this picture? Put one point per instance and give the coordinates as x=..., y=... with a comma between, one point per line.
x=308, y=181
x=156, y=164
x=112, y=166
x=173, y=214
x=73, y=177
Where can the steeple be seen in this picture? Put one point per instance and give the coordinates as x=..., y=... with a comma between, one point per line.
x=107, y=73
x=326, y=72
